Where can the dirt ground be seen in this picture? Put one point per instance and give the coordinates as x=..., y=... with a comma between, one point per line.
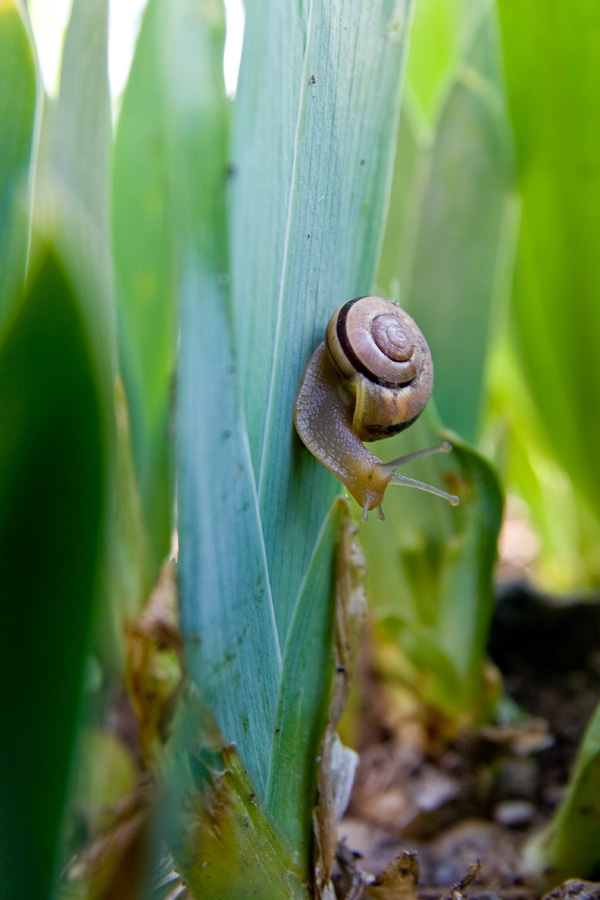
x=479, y=797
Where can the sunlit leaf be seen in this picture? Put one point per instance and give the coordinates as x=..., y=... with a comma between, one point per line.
x=552, y=67
x=18, y=100
x=457, y=240
x=143, y=256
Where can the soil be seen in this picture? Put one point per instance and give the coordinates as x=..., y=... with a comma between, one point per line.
x=479, y=797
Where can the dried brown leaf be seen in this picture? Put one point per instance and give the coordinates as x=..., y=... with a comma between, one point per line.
x=336, y=770
x=155, y=663
x=398, y=881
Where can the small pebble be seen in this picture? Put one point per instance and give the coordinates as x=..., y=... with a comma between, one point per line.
x=514, y=813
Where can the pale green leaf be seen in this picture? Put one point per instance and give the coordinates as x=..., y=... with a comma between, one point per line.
x=451, y=284
x=436, y=46
x=81, y=125
x=18, y=101
x=552, y=64
x=143, y=258
x=315, y=117
x=430, y=579
x=309, y=200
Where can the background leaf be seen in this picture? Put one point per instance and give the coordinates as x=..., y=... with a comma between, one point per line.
x=430, y=579
x=53, y=458
x=569, y=842
x=143, y=258
x=81, y=126
x=451, y=281
x=446, y=251
x=18, y=105
x=552, y=68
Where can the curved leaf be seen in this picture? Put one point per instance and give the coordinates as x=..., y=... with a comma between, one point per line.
x=53, y=459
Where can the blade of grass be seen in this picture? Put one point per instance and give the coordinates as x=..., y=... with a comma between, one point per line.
x=78, y=161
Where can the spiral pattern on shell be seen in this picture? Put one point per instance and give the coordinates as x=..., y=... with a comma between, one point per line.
x=384, y=362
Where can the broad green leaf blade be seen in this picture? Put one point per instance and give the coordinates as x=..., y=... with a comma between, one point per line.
x=552, y=65
x=53, y=431
x=430, y=580
x=305, y=694
x=316, y=115
x=569, y=846
x=452, y=280
x=18, y=101
x=221, y=838
x=568, y=528
x=143, y=257
x=227, y=615
x=229, y=618
x=81, y=127
x=435, y=49
x=405, y=197
x=309, y=199
x=232, y=646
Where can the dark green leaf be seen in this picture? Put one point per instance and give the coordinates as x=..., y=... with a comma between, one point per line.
x=52, y=489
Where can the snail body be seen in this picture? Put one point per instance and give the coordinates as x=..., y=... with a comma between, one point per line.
x=369, y=379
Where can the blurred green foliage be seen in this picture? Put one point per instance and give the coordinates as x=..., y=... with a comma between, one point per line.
x=219, y=236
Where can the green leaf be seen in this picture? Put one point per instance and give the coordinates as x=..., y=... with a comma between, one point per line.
x=552, y=67
x=75, y=182
x=232, y=647
x=309, y=201
x=18, y=103
x=405, y=200
x=430, y=580
x=308, y=182
x=81, y=124
x=304, y=693
x=458, y=246
x=143, y=258
x=435, y=48
x=569, y=846
x=221, y=837
x=53, y=459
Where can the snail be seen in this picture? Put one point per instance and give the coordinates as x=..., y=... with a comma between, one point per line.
x=369, y=379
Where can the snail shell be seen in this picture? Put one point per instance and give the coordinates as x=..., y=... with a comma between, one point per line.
x=370, y=379
x=384, y=365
